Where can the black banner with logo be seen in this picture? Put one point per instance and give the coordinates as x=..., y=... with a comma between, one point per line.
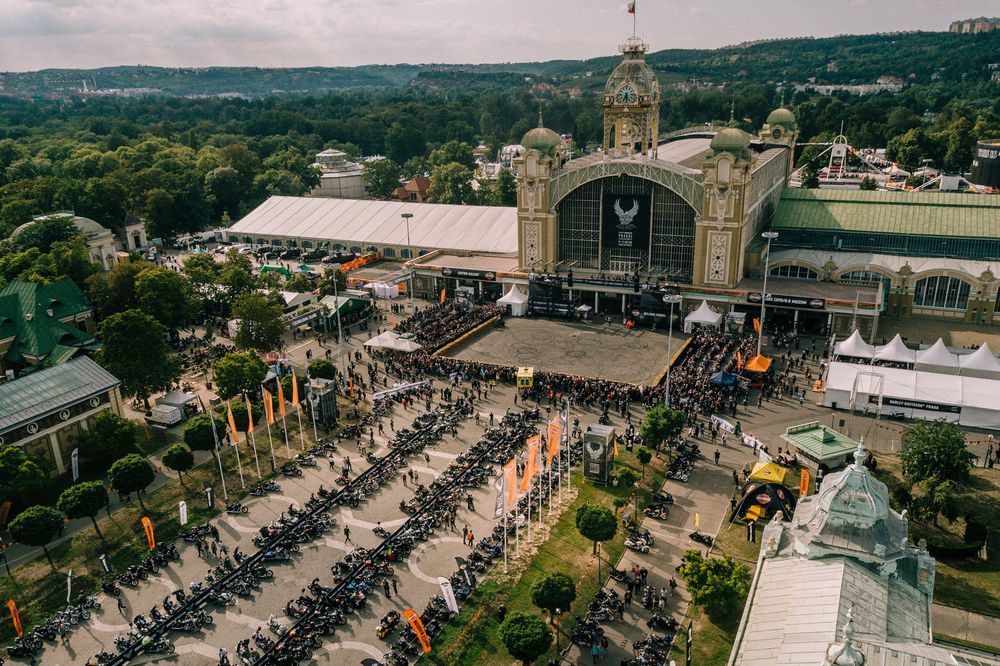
x=916, y=404
x=625, y=221
x=789, y=301
x=468, y=274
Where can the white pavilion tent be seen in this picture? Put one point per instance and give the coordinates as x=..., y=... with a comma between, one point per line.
x=980, y=363
x=854, y=347
x=516, y=299
x=704, y=316
x=382, y=341
x=895, y=352
x=937, y=358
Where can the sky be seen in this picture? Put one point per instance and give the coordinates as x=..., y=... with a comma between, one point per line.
x=39, y=34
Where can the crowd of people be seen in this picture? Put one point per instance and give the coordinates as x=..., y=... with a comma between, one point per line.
x=435, y=326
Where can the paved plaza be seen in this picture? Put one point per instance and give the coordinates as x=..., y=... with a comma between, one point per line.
x=608, y=351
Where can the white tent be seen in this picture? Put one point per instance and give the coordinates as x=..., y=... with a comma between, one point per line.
x=517, y=300
x=937, y=358
x=704, y=316
x=404, y=345
x=383, y=341
x=895, y=352
x=383, y=290
x=980, y=363
x=854, y=346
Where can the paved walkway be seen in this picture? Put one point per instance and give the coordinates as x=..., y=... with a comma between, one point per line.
x=966, y=625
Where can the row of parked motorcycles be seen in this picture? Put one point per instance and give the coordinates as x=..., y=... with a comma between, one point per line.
x=685, y=453
x=33, y=641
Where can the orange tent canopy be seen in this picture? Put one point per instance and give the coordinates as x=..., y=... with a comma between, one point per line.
x=758, y=363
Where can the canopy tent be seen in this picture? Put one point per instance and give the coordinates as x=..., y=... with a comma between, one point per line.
x=758, y=363
x=276, y=269
x=819, y=447
x=937, y=358
x=516, y=300
x=980, y=363
x=176, y=399
x=383, y=290
x=770, y=497
x=854, y=347
x=769, y=472
x=723, y=378
x=703, y=316
x=382, y=341
x=404, y=345
x=895, y=352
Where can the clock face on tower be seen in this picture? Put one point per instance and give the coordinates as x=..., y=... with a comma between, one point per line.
x=627, y=95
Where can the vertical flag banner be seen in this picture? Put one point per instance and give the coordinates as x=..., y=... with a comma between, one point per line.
x=697, y=521
x=249, y=418
x=554, y=434
x=803, y=483
x=281, y=399
x=182, y=508
x=448, y=593
x=501, y=496
x=739, y=361
x=510, y=483
x=418, y=629
x=614, y=441
x=147, y=525
x=442, y=300
x=16, y=617
x=69, y=585
x=756, y=325
x=530, y=465
x=631, y=7
x=295, y=390
x=75, y=461
x=232, y=423
x=268, y=405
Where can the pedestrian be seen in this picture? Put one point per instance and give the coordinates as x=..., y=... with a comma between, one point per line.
x=465, y=533
x=502, y=613
x=595, y=652
x=717, y=456
x=333, y=463
x=200, y=548
x=223, y=657
x=468, y=503
x=215, y=549
x=224, y=550
x=621, y=612
x=385, y=588
x=472, y=539
x=347, y=534
x=394, y=588
x=215, y=532
x=661, y=604
x=644, y=574
x=736, y=479
x=121, y=606
x=628, y=598
x=604, y=646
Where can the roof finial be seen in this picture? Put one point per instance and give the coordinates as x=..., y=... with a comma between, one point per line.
x=782, y=96
x=540, y=123
x=732, y=110
x=859, y=455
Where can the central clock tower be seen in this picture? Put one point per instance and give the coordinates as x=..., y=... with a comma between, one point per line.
x=631, y=104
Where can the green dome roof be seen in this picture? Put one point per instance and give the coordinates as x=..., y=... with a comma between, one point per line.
x=541, y=139
x=731, y=139
x=781, y=116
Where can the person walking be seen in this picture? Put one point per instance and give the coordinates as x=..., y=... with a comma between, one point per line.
x=717, y=456
x=472, y=539
x=465, y=533
x=121, y=606
x=395, y=590
x=469, y=504
x=385, y=588
x=347, y=535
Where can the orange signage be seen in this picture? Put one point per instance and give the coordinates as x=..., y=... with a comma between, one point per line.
x=147, y=526
x=803, y=483
x=418, y=629
x=16, y=617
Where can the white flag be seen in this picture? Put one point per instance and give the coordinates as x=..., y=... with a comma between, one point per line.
x=448, y=594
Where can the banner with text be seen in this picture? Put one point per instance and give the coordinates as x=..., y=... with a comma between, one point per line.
x=625, y=221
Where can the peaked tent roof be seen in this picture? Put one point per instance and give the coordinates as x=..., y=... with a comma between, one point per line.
x=704, y=315
x=937, y=355
x=982, y=360
x=768, y=472
x=896, y=351
x=758, y=363
x=514, y=297
x=854, y=346
x=383, y=341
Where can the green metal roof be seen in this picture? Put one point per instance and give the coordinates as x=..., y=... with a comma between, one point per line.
x=819, y=442
x=24, y=313
x=907, y=213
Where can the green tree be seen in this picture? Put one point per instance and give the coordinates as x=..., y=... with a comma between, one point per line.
x=84, y=500
x=596, y=523
x=720, y=586
x=332, y=276
x=525, y=636
x=453, y=152
x=299, y=283
x=322, y=369
x=506, y=188
x=236, y=276
x=132, y=474
x=451, y=184
x=627, y=477
x=161, y=211
x=135, y=350
x=868, y=183
x=20, y=477
x=415, y=166
x=178, y=458
x=114, y=291
x=261, y=326
x=935, y=450
x=810, y=177
x=403, y=142
x=935, y=499
x=107, y=439
x=240, y=414
x=43, y=233
x=553, y=591
x=198, y=434
x=661, y=425
x=166, y=296
x=381, y=177
x=37, y=526
x=239, y=372
x=643, y=455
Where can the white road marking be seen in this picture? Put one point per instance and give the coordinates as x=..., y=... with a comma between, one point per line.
x=414, y=555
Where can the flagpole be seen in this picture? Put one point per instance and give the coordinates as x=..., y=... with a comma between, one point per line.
x=284, y=429
x=302, y=433
x=505, y=512
x=239, y=465
x=256, y=460
x=218, y=456
x=270, y=443
x=268, y=417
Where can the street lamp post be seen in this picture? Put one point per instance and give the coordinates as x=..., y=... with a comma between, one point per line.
x=409, y=250
x=769, y=235
x=671, y=300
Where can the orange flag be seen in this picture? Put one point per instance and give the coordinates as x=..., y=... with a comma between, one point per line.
x=442, y=295
x=350, y=382
x=147, y=525
x=249, y=418
x=295, y=390
x=510, y=483
x=803, y=483
x=530, y=465
x=418, y=629
x=756, y=325
x=555, y=434
x=16, y=617
x=281, y=399
x=232, y=423
x=268, y=405
x=615, y=442
x=739, y=361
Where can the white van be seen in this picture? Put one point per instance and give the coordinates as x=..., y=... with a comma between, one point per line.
x=164, y=415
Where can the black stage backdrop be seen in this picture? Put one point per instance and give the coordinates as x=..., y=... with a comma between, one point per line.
x=625, y=221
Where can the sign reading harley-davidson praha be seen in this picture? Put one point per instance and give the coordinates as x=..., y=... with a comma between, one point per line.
x=625, y=221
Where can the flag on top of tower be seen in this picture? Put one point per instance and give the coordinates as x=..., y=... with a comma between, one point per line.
x=631, y=7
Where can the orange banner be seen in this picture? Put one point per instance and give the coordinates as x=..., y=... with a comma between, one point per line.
x=510, y=481
x=803, y=483
x=249, y=418
x=232, y=423
x=268, y=405
x=418, y=629
x=281, y=399
x=531, y=464
x=756, y=325
x=295, y=390
x=739, y=361
x=16, y=617
x=554, y=434
x=442, y=295
x=614, y=451
x=147, y=525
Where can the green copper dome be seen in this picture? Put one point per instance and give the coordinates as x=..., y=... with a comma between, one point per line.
x=732, y=140
x=781, y=116
x=541, y=139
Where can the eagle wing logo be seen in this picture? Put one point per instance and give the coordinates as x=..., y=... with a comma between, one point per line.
x=626, y=217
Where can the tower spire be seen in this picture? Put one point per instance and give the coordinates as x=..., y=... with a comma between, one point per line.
x=732, y=111
x=540, y=123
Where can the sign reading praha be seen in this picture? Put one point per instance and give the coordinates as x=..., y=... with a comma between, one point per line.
x=625, y=221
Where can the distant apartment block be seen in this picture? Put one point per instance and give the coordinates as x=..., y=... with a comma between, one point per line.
x=975, y=25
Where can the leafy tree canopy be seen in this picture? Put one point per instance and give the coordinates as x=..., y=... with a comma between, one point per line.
x=20, y=477
x=661, y=425
x=935, y=450
x=135, y=350
x=109, y=438
x=322, y=369
x=37, y=526
x=239, y=372
x=198, y=432
x=131, y=474
x=553, y=591
x=381, y=177
x=525, y=636
x=44, y=233
x=596, y=522
x=84, y=500
x=178, y=458
x=451, y=184
x=720, y=586
x=261, y=326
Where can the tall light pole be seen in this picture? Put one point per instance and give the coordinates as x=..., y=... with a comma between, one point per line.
x=409, y=250
x=770, y=236
x=671, y=300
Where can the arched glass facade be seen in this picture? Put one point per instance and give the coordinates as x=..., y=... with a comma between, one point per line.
x=795, y=272
x=941, y=291
x=670, y=250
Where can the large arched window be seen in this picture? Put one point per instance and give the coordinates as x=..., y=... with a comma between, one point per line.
x=795, y=272
x=864, y=277
x=389, y=252
x=941, y=291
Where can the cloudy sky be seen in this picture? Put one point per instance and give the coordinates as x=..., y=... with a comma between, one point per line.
x=36, y=34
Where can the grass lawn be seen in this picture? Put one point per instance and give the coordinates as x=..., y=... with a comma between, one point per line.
x=472, y=637
x=711, y=642
x=732, y=541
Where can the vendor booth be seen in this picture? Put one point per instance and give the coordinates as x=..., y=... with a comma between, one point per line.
x=818, y=447
x=703, y=316
x=393, y=341
x=515, y=300
x=854, y=347
x=383, y=290
x=763, y=500
x=895, y=352
x=980, y=363
x=768, y=472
